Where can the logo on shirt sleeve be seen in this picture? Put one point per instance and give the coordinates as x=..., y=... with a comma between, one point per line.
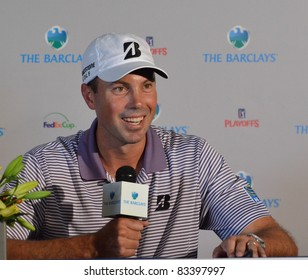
x=248, y=186
x=252, y=193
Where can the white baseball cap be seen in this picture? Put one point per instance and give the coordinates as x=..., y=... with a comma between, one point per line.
x=112, y=56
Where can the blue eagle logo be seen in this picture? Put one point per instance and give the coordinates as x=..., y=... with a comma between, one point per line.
x=56, y=37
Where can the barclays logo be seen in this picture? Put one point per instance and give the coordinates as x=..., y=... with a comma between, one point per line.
x=111, y=195
x=56, y=37
x=181, y=129
x=248, y=186
x=157, y=112
x=238, y=37
x=134, y=195
x=301, y=129
x=268, y=202
x=245, y=176
x=271, y=202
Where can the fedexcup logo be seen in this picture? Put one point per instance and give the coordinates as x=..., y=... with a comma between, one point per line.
x=56, y=37
x=238, y=37
x=57, y=120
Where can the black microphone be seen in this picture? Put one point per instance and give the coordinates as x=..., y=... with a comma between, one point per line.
x=125, y=197
x=126, y=173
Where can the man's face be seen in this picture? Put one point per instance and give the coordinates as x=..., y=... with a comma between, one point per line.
x=125, y=109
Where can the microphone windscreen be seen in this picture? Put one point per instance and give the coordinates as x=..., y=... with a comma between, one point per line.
x=126, y=173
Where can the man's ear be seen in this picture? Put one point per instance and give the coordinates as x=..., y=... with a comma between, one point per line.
x=88, y=96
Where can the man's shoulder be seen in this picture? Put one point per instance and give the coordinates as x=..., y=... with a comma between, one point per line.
x=62, y=144
x=170, y=137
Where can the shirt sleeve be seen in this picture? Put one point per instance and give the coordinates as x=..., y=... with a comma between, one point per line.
x=33, y=210
x=229, y=203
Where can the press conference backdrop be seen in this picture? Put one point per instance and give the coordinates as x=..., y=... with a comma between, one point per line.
x=238, y=77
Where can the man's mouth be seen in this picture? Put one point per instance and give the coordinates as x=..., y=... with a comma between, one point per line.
x=134, y=121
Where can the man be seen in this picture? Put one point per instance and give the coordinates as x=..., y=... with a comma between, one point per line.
x=191, y=186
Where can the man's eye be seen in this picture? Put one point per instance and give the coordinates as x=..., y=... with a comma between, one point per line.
x=119, y=89
x=148, y=86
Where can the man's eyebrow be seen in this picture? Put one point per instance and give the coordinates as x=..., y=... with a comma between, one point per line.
x=118, y=82
x=127, y=83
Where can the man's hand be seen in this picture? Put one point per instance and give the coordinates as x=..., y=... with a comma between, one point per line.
x=119, y=238
x=277, y=240
x=236, y=246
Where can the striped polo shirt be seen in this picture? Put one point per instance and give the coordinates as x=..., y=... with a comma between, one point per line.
x=191, y=188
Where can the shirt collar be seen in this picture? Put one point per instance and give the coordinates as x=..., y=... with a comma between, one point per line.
x=91, y=168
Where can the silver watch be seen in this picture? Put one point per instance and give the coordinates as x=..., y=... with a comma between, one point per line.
x=258, y=239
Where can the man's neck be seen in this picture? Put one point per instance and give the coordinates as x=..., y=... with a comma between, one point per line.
x=113, y=157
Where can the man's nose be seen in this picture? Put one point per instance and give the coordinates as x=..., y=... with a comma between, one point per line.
x=135, y=97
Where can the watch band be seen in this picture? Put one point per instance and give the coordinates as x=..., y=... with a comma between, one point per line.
x=258, y=239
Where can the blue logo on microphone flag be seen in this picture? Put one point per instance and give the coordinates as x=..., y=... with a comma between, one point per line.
x=112, y=195
x=134, y=195
x=125, y=198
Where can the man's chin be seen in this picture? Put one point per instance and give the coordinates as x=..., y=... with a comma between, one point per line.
x=135, y=138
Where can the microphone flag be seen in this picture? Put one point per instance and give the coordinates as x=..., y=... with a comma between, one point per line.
x=124, y=198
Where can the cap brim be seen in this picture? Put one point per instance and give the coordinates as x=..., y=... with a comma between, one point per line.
x=116, y=73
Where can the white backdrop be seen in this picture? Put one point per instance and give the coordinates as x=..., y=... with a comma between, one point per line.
x=250, y=103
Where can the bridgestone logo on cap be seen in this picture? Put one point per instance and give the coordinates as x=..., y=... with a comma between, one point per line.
x=87, y=68
x=131, y=50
